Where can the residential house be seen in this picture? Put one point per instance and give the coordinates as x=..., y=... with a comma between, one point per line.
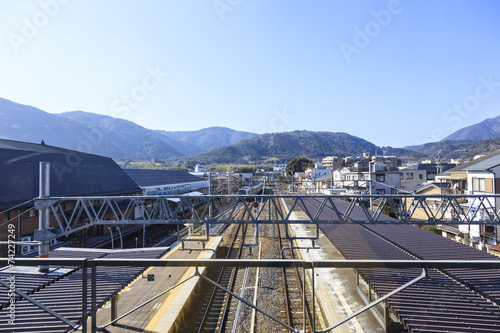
x=480, y=176
x=377, y=179
x=314, y=173
x=390, y=161
x=418, y=173
x=332, y=162
x=279, y=168
x=299, y=178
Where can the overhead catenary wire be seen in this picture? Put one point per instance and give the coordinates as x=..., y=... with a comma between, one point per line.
x=19, y=205
x=15, y=217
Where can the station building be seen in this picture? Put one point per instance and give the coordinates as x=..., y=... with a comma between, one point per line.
x=73, y=174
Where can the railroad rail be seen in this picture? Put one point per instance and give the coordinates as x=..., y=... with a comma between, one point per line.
x=216, y=310
x=297, y=308
x=225, y=314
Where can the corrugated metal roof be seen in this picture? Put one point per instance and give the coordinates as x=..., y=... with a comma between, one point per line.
x=65, y=295
x=72, y=173
x=37, y=148
x=145, y=177
x=436, y=304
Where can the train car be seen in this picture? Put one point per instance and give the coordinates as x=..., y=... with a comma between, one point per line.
x=246, y=190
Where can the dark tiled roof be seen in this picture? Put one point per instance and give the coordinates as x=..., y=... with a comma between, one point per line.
x=324, y=178
x=37, y=148
x=422, y=186
x=72, y=173
x=145, y=177
x=429, y=166
x=476, y=161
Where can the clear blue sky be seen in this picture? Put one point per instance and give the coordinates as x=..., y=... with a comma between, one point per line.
x=392, y=72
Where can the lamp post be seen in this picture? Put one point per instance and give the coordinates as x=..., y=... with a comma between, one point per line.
x=121, y=239
x=112, y=241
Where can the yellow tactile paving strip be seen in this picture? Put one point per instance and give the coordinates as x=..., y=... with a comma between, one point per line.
x=160, y=322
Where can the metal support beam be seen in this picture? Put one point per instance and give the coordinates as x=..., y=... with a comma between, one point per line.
x=43, y=217
x=93, y=305
x=114, y=308
x=317, y=209
x=441, y=264
x=84, y=295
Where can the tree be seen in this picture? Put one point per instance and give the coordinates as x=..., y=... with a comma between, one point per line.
x=432, y=228
x=298, y=164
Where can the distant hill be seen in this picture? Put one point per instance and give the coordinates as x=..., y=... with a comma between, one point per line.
x=465, y=149
x=209, y=138
x=105, y=135
x=288, y=145
x=125, y=140
x=26, y=123
x=128, y=139
x=487, y=129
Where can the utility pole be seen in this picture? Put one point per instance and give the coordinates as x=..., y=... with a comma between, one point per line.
x=210, y=193
x=331, y=185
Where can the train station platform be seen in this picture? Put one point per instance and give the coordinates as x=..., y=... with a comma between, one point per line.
x=162, y=314
x=336, y=290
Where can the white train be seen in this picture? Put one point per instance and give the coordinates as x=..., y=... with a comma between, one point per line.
x=250, y=189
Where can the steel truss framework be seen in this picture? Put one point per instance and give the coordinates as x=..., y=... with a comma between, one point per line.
x=260, y=209
x=92, y=264
x=436, y=209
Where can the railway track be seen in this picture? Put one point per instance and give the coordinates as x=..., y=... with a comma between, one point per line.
x=297, y=311
x=216, y=305
x=280, y=288
x=238, y=315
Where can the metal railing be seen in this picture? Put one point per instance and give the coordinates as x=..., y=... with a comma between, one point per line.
x=93, y=264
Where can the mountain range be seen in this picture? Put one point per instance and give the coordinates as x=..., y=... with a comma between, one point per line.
x=107, y=136
x=282, y=147
x=465, y=143
x=487, y=129
x=122, y=139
